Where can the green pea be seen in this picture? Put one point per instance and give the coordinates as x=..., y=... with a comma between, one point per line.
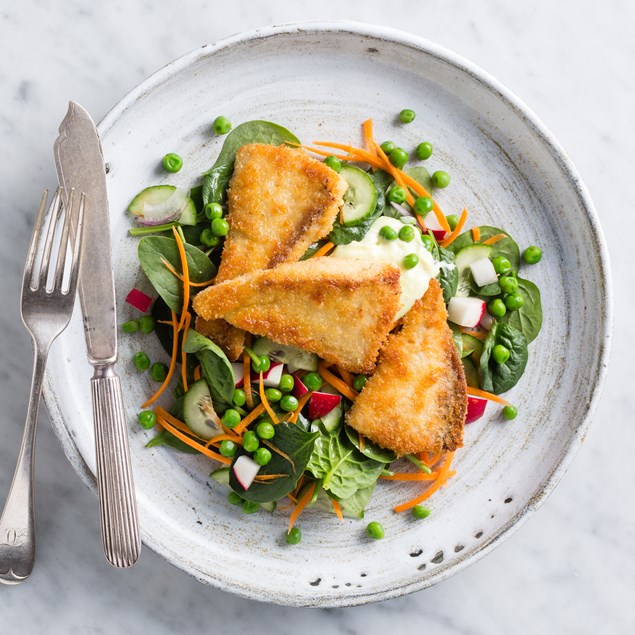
x=158, y=371
x=407, y=115
x=172, y=162
x=265, y=430
x=532, y=255
x=424, y=150
x=239, y=398
x=428, y=241
x=440, y=179
x=500, y=353
x=289, y=403
x=423, y=205
x=146, y=324
x=396, y=194
x=497, y=308
x=407, y=233
x=334, y=163
x=147, y=419
x=131, y=326
x=273, y=395
x=141, y=361
x=388, y=146
x=220, y=227
x=249, y=507
x=388, y=233
x=287, y=382
x=294, y=536
x=510, y=412
x=250, y=441
x=230, y=418
x=508, y=284
x=312, y=381
x=262, y=456
x=398, y=157
x=222, y=125
x=410, y=261
x=420, y=512
x=263, y=364
x=228, y=448
x=375, y=530
x=234, y=499
x=359, y=382
x=208, y=238
x=213, y=210
x=501, y=265
x=453, y=221
x=513, y=301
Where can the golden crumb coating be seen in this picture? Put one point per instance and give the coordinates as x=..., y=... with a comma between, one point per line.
x=417, y=399
x=341, y=309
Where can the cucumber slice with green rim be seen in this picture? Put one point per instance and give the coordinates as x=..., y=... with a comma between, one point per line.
x=269, y=506
x=331, y=421
x=295, y=358
x=159, y=204
x=464, y=258
x=471, y=345
x=198, y=411
x=471, y=374
x=360, y=199
x=221, y=475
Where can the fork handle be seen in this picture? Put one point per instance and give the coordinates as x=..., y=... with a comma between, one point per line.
x=17, y=524
x=117, y=504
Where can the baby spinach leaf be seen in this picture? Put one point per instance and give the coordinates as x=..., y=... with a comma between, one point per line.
x=342, y=469
x=354, y=505
x=153, y=250
x=217, y=178
x=448, y=273
x=528, y=318
x=499, y=378
x=505, y=247
x=293, y=443
x=421, y=175
x=488, y=291
x=471, y=372
x=370, y=449
x=165, y=438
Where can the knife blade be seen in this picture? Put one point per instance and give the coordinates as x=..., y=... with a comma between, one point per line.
x=80, y=165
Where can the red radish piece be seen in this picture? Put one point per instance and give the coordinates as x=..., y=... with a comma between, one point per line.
x=272, y=377
x=322, y=403
x=475, y=408
x=432, y=224
x=299, y=389
x=139, y=300
x=466, y=311
x=245, y=470
x=483, y=272
x=486, y=321
x=239, y=374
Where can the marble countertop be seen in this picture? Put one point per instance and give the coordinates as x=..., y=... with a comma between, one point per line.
x=570, y=568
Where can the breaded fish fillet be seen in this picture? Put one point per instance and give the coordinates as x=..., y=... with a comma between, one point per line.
x=416, y=401
x=280, y=201
x=341, y=309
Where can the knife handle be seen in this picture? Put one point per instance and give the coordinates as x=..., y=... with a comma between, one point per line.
x=117, y=503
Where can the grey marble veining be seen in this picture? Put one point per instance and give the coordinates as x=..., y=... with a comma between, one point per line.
x=570, y=568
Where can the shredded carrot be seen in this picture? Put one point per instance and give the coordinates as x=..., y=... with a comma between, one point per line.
x=294, y=495
x=337, y=383
x=492, y=240
x=265, y=401
x=301, y=403
x=440, y=481
x=186, y=276
x=396, y=174
x=277, y=450
x=269, y=477
x=446, y=242
x=479, y=335
x=367, y=127
x=176, y=274
x=476, y=234
x=433, y=459
x=252, y=416
x=286, y=506
x=338, y=509
x=411, y=476
x=224, y=437
x=347, y=376
x=356, y=153
x=323, y=250
x=197, y=373
x=477, y=392
x=168, y=377
x=360, y=438
x=327, y=153
x=247, y=374
x=177, y=423
x=186, y=326
x=301, y=504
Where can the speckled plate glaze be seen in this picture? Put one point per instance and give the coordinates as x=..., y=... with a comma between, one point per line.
x=321, y=81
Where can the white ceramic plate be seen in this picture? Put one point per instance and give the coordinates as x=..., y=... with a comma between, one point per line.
x=322, y=81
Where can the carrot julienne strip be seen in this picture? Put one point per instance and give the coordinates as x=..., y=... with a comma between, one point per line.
x=265, y=401
x=361, y=154
x=476, y=234
x=301, y=403
x=394, y=172
x=477, y=392
x=446, y=242
x=301, y=504
x=347, y=376
x=479, y=335
x=176, y=274
x=197, y=373
x=168, y=377
x=177, y=423
x=337, y=383
x=252, y=416
x=323, y=250
x=338, y=509
x=367, y=127
x=411, y=476
x=492, y=240
x=186, y=275
x=277, y=450
x=186, y=327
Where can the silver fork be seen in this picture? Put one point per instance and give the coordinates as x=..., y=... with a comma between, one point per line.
x=46, y=311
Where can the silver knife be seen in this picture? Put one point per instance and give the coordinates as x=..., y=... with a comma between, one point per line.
x=80, y=165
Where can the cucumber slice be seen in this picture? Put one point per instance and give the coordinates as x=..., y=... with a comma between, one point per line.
x=331, y=421
x=360, y=200
x=269, y=506
x=221, y=475
x=464, y=258
x=294, y=358
x=471, y=345
x=162, y=204
x=198, y=410
x=471, y=374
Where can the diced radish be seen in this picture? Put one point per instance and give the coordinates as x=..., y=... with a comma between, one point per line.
x=475, y=408
x=486, y=321
x=272, y=377
x=483, y=272
x=245, y=469
x=466, y=311
x=322, y=403
x=299, y=388
x=239, y=374
x=139, y=300
x=433, y=225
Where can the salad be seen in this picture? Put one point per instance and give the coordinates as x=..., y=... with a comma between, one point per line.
x=281, y=421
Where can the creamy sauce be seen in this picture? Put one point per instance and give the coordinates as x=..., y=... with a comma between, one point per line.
x=414, y=282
